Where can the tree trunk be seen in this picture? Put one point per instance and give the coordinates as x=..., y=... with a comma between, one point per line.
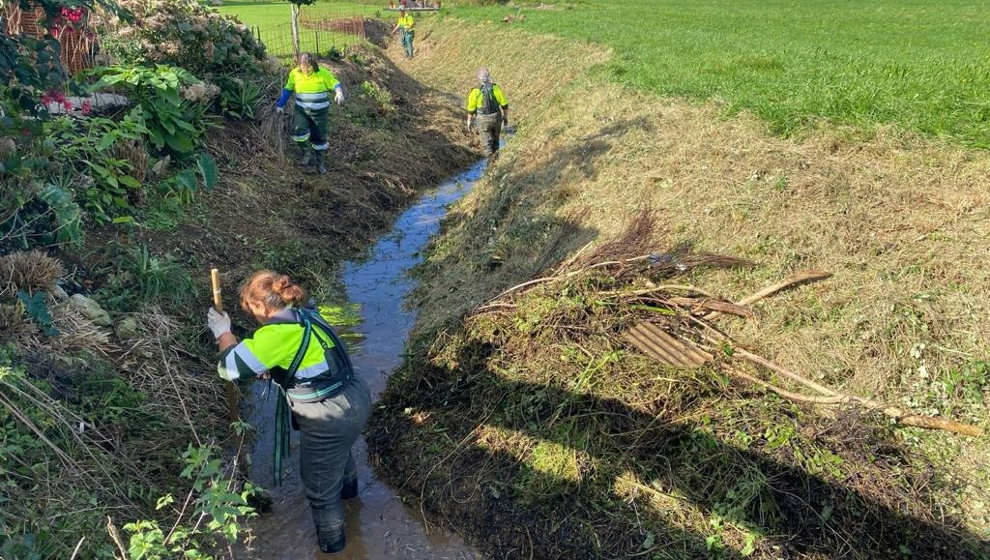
x=295, y=29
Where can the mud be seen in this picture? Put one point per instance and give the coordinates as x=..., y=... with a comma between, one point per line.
x=379, y=524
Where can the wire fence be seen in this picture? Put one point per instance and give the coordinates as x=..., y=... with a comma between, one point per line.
x=317, y=35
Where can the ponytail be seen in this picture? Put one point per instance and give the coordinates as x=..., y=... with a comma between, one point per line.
x=272, y=290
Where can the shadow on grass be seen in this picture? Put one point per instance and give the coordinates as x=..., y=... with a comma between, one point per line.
x=613, y=481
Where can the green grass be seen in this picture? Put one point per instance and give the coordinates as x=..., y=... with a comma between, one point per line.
x=922, y=65
x=272, y=21
x=277, y=13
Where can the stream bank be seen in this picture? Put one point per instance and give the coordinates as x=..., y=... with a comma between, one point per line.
x=530, y=425
x=379, y=523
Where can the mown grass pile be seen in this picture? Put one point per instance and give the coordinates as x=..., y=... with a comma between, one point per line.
x=536, y=430
x=918, y=65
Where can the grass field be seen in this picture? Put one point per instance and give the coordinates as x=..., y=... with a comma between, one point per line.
x=530, y=424
x=273, y=22
x=922, y=65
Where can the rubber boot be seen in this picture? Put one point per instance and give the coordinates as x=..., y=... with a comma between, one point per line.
x=321, y=161
x=305, y=155
x=349, y=490
x=331, y=539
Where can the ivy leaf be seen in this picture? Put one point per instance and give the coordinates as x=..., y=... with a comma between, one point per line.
x=35, y=307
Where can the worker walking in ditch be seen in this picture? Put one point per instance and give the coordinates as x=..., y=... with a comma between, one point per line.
x=318, y=391
x=406, y=24
x=487, y=104
x=311, y=86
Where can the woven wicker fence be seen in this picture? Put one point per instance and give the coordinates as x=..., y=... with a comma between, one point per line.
x=78, y=43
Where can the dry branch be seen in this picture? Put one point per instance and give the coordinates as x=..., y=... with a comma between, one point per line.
x=790, y=282
x=682, y=352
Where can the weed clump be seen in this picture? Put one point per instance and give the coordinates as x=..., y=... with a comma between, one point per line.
x=28, y=271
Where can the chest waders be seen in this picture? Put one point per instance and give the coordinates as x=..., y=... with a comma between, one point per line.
x=489, y=119
x=325, y=385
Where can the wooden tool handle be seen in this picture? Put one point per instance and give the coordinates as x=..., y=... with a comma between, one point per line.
x=215, y=281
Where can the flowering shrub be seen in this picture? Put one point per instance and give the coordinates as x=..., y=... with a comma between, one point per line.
x=184, y=33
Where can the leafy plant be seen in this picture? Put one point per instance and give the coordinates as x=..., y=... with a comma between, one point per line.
x=238, y=97
x=184, y=33
x=222, y=508
x=172, y=100
x=102, y=180
x=37, y=310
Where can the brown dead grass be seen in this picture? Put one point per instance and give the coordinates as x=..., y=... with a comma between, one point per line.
x=901, y=221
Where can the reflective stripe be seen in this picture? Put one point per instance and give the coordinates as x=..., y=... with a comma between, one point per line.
x=318, y=394
x=312, y=106
x=321, y=147
x=301, y=138
x=228, y=368
x=311, y=97
x=237, y=359
x=249, y=359
x=312, y=371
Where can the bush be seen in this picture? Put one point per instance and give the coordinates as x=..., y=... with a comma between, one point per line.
x=184, y=33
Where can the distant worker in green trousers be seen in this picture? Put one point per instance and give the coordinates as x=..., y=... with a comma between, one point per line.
x=488, y=105
x=310, y=123
x=406, y=24
x=318, y=391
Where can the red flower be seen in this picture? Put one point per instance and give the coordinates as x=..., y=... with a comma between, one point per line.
x=87, y=107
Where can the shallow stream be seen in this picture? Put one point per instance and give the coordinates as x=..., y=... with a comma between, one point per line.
x=379, y=525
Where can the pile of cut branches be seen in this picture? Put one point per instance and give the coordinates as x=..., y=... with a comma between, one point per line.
x=673, y=324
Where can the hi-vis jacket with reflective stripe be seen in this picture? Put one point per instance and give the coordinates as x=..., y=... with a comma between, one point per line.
x=476, y=101
x=406, y=22
x=312, y=90
x=272, y=348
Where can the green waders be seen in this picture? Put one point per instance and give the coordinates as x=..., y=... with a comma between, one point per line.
x=407, y=41
x=312, y=126
x=489, y=129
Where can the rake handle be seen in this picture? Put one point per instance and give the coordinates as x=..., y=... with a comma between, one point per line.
x=215, y=282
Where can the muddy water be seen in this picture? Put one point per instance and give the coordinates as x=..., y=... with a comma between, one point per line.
x=379, y=525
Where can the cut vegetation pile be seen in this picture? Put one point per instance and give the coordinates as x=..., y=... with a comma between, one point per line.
x=530, y=422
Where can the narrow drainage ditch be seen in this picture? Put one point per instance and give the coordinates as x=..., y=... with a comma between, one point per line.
x=379, y=525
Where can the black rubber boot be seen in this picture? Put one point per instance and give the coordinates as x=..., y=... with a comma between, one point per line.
x=321, y=161
x=330, y=538
x=306, y=156
x=349, y=490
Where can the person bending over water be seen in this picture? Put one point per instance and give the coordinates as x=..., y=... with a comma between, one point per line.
x=318, y=391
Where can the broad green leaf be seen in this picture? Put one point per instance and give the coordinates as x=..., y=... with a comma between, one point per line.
x=35, y=307
x=187, y=179
x=180, y=143
x=129, y=181
x=107, y=141
x=208, y=169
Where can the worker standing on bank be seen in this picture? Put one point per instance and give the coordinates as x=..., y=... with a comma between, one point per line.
x=488, y=105
x=318, y=391
x=406, y=24
x=311, y=121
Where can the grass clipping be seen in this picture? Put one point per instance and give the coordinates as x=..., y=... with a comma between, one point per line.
x=591, y=413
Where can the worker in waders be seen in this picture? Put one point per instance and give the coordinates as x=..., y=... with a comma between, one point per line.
x=310, y=124
x=317, y=390
x=406, y=24
x=488, y=105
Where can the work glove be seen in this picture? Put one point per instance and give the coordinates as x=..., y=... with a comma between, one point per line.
x=218, y=322
x=339, y=97
x=280, y=110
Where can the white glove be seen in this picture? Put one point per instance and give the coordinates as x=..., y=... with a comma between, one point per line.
x=339, y=96
x=219, y=323
x=280, y=110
